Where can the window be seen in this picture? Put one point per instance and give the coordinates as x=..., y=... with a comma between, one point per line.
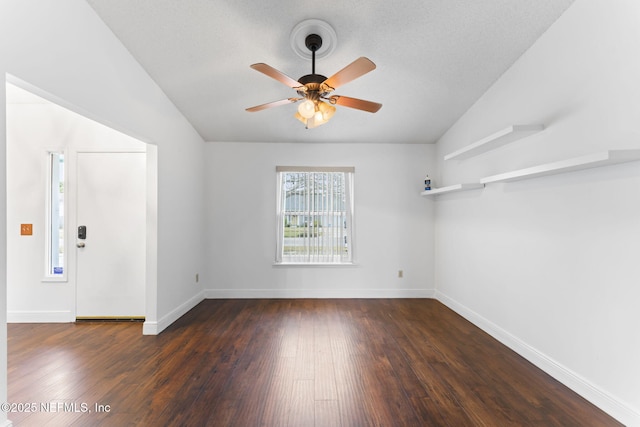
x=315, y=215
x=55, y=215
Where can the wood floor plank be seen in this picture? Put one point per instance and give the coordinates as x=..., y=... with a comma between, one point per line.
x=327, y=413
x=278, y=405
x=324, y=372
x=302, y=362
x=302, y=409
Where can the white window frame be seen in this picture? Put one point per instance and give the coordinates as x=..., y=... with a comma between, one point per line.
x=49, y=275
x=344, y=258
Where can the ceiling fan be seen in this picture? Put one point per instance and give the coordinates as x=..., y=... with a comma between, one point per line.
x=315, y=89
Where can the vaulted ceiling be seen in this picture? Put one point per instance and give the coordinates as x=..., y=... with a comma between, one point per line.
x=434, y=59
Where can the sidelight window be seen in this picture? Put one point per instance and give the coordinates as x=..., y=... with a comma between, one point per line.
x=55, y=254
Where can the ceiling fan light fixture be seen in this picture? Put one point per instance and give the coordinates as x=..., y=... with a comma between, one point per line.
x=321, y=115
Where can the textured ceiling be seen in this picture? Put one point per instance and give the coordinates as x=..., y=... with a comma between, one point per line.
x=434, y=59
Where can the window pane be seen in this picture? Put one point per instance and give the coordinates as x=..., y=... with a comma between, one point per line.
x=315, y=217
x=55, y=240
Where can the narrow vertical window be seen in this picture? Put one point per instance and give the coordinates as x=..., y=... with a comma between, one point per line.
x=315, y=215
x=55, y=216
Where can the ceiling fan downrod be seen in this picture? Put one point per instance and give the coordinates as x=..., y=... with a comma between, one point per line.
x=311, y=82
x=313, y=43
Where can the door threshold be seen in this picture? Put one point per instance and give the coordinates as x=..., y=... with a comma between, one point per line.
x=82, y=319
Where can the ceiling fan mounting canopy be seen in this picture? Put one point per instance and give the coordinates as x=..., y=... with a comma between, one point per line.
x=313, y=42
x=299, y=33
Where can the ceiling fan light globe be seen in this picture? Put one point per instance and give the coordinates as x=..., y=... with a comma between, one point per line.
x=299, y=117
x=307, y=109
x=327, y=110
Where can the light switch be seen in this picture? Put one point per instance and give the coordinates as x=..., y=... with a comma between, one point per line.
x=26, y=229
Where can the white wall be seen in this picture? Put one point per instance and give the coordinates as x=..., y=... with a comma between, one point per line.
x=394, y=224
x=33, y=128
x=64, y=49
x=550, y=265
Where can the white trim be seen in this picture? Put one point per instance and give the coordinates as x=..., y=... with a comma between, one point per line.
x=52, y=279
x=151, y=259
x=150, y=328
x=154, y=328
x=8, y=423
x=345, y=169
x=317, y=293
x=619, y=410
x=62, y=316
x=315, y=264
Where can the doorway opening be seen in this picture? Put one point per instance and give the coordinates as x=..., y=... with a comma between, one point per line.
x=94, y=169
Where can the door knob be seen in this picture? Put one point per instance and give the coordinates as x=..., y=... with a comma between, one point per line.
x=80, y=244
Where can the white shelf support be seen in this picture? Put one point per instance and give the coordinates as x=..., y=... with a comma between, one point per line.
x=599, y=159
x=452, y=189
x=491, y=142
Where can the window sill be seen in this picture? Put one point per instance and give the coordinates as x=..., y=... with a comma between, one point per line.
x=315, y=264
x=54, y=280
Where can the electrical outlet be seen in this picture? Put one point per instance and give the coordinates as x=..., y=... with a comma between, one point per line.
x=400, y=274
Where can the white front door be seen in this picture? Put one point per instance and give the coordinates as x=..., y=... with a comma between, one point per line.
x=110, y=262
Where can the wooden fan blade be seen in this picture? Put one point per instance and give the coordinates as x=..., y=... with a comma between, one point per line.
x=275, y=74
x=357, y=68
x=273, y=104
x=358, y=104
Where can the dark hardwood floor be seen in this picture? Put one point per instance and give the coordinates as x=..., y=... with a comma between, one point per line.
x=284, y=363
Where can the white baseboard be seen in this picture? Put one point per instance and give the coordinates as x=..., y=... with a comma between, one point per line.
x=40, y=317
x=154, y=328
x=317, y=293
x=603, y=400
